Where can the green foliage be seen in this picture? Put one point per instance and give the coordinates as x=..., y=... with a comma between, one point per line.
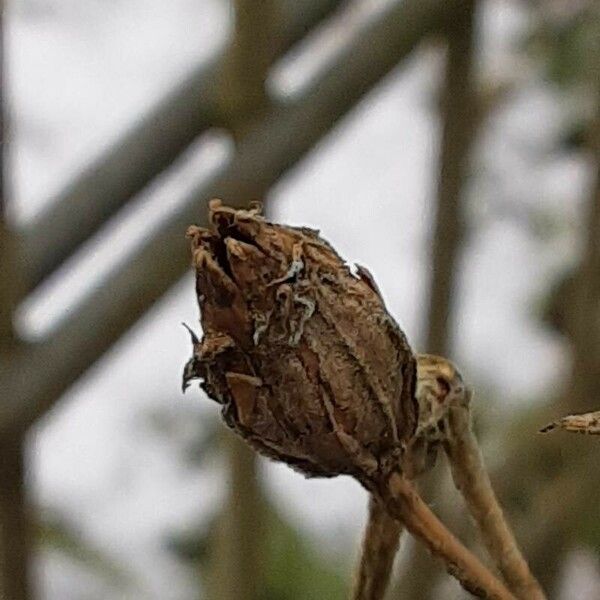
x=296, y=569
x=293, y=567
x=569, y=45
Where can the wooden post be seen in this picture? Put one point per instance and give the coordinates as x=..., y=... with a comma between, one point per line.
x=243, y=95
x=14, y=526
x=236, y=560
x=237, y=568
x=458, y=107
x=15, y=543
x=457, y=119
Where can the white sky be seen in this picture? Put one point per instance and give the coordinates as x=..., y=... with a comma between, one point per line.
x=79, y=72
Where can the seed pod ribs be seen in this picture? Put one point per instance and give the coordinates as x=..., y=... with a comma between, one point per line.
x=307, y=363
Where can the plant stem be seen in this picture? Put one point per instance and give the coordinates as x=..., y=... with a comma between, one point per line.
x=472, y=480
x=404, y=504
x=380, y=544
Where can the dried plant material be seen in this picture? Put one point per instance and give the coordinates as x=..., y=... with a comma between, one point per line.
x=436, y=389
x=303, y=356
x=585, y=423
x=441, y=385
x=310, y=369
x=404, y=503
x=445, y=421
x=378, y=550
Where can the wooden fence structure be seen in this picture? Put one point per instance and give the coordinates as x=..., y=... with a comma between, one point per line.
x=270, y=138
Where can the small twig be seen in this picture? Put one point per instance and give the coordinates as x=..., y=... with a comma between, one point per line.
x=585, y=423
x=471, y=478
x=404, y=504
x=380, y=544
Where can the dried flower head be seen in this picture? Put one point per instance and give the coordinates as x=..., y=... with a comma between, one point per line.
x=440, y=386
x=304, y=358
x=311, y=370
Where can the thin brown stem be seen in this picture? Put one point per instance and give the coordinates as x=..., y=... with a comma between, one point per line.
x=380, y=544
x=404, y=504
x=472, y=479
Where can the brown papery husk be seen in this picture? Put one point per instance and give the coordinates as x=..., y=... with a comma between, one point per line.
x=303, y=356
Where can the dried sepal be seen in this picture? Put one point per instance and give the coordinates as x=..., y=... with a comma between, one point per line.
x=588, y=423
x=309, y=366
x=439, y=388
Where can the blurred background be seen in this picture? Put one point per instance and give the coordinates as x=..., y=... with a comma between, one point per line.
x=451, y=146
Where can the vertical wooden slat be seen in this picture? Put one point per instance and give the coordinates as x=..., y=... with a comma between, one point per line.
x=243, y=96
x=458, y=107
x=14, y=523
x=238, y=570
x=458, y=110
x=15, y=549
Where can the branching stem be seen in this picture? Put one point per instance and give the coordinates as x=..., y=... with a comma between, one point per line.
x=404, y=504
x=380, y=544
x=471, y=478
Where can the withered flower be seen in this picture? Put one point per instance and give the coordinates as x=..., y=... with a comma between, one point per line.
x=311, y=370
x=309, y=366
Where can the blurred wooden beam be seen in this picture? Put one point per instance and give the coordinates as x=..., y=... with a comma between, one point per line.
x=240, y=544
x=458, y=122
x=149, y=147
x=2, y=120
x=37, y=377
x=237, y=566
x=458, y=110
x=584, y=312
x=8, y=264
x=15, y=540
x=245, y=66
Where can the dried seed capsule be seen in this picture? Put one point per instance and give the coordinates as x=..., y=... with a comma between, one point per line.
x=440, y=386
x=307, y=363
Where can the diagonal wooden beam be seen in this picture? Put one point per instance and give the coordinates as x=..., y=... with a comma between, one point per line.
x=144, y=151
x=37, y=377
x=458, y=108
